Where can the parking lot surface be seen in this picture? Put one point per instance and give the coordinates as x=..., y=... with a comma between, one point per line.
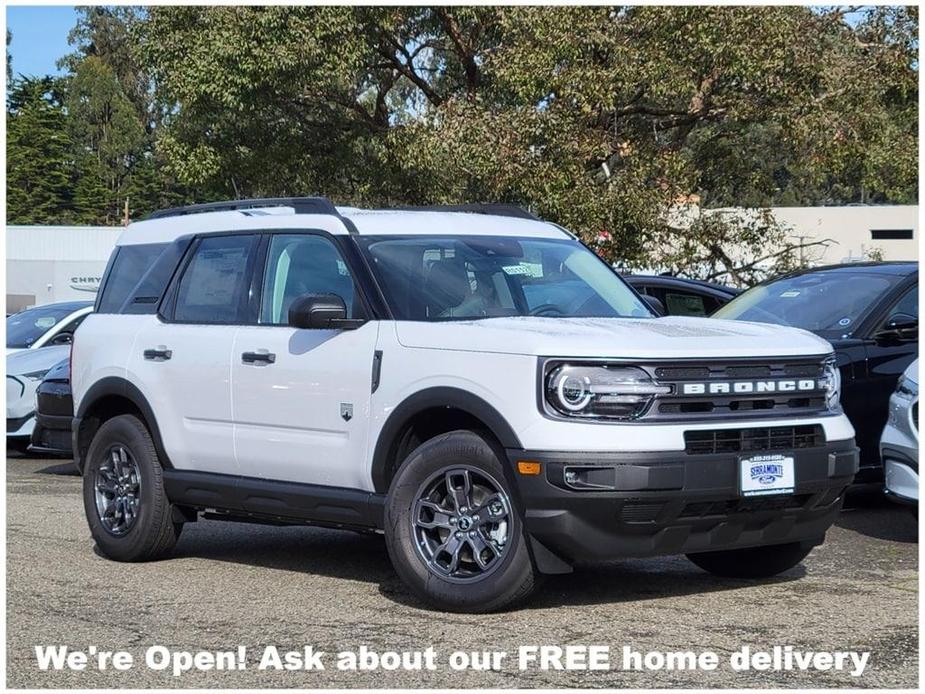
x=231, y=585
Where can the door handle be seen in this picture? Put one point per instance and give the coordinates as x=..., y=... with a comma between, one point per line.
x=262, y=357
x=159, y=353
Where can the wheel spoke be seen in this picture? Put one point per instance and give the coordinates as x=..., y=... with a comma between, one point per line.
x=492, y=510
x=452, y=547
x=431, y=515
x=459, y=486
x=479, y=546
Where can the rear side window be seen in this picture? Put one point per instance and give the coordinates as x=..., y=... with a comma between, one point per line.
x=214, y=286
x=129, y=265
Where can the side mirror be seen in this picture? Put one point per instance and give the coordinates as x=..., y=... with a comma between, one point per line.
x=658, y=308
x=900, y=326
x=321, y=312
x=62, y=339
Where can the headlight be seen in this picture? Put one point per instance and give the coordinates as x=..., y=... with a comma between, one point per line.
x=600, y=392
x=831, y=376
x=35, y=375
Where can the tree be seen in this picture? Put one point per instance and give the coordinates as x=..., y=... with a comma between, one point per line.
x=39, y=154
x=108, y=136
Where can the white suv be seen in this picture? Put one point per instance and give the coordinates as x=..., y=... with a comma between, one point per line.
x=471, y=381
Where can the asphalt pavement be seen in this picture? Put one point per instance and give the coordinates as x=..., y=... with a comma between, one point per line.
x=230, y=585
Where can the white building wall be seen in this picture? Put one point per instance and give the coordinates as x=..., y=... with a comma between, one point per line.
x=852, y=230
x=45, y=264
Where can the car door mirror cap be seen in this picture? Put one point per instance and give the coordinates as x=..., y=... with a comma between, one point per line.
x=321, y=312
x=900, y=326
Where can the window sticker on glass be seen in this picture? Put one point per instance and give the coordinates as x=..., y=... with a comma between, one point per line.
x=528, y=269
x=790, y=294
x=844, y=321
x=45, y=322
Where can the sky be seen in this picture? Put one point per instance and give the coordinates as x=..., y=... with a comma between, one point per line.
x=39, y=37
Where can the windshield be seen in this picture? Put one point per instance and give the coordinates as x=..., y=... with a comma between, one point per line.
x=25, y=327
x=828, y=303
x=434, y=278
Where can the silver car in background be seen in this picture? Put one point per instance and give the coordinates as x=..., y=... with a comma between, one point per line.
x=899, y=444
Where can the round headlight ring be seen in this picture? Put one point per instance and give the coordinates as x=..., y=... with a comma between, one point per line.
x=574, y=392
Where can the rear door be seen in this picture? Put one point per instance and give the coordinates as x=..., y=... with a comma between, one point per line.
x=301, y=397
x=184, y=355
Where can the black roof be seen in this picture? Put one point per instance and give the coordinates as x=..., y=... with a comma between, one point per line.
x=898, y=268
x=681, y=281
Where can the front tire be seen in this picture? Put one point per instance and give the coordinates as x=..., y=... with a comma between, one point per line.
x=127, y=509
x=452, y=529
x=752, y=562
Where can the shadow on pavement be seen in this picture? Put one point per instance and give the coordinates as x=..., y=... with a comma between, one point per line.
x=65, y=467
x=880, y=519
x=357, y=557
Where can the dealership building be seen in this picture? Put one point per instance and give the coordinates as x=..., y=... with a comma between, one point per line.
x=45, y=264
x=62, y=263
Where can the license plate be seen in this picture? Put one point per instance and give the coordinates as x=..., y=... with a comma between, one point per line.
x=766, y=474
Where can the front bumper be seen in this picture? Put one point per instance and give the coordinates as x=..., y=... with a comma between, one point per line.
x=20, y=427
x=676, y=503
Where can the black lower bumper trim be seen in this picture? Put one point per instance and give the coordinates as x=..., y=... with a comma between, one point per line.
x=672, y=503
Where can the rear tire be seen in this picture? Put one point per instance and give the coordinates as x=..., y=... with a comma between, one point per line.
x=752, y=562
x=127, y=509
x=452, y=528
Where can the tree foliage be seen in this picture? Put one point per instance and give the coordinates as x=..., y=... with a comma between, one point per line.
x=604, y=119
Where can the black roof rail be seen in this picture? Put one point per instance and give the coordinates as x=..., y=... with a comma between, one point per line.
x=495, y=208
x=316, y=205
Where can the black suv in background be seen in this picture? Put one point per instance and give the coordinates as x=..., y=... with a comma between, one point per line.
x=870, y=314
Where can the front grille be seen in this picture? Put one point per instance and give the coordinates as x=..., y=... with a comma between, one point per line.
x=744, y=389
x=711, y=441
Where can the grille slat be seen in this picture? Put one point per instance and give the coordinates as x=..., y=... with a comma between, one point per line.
x=712, y=441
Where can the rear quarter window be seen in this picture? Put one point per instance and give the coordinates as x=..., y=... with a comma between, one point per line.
x=129, y=266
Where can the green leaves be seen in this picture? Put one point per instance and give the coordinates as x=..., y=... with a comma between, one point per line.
x=607, y=120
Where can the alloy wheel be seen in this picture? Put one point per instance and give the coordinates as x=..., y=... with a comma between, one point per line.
x=118, y=490
x=461, y=523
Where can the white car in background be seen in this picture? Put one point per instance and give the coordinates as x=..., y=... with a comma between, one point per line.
x=44, y=326
x=25, y=370
x=899, y=445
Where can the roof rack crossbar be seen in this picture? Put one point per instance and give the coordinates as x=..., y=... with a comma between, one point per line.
x=316, y=205
x=494, y=208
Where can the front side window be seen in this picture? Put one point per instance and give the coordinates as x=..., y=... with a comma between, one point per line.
x=214, y=286
x=299, y=264
x=438, y=278
x=908, y=305
x=828, y=303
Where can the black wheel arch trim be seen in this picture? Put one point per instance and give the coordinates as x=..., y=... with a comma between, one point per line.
x=429, y=398
x=121, y=387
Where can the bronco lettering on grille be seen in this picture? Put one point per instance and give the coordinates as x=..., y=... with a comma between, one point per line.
x=747, y=387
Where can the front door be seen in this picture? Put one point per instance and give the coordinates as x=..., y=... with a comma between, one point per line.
x=301, y=397
x=887, y=358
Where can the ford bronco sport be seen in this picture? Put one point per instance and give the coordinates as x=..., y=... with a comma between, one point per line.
x=470, y=381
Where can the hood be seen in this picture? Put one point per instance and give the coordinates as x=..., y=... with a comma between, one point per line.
x=30, y=360
x=671, y=337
